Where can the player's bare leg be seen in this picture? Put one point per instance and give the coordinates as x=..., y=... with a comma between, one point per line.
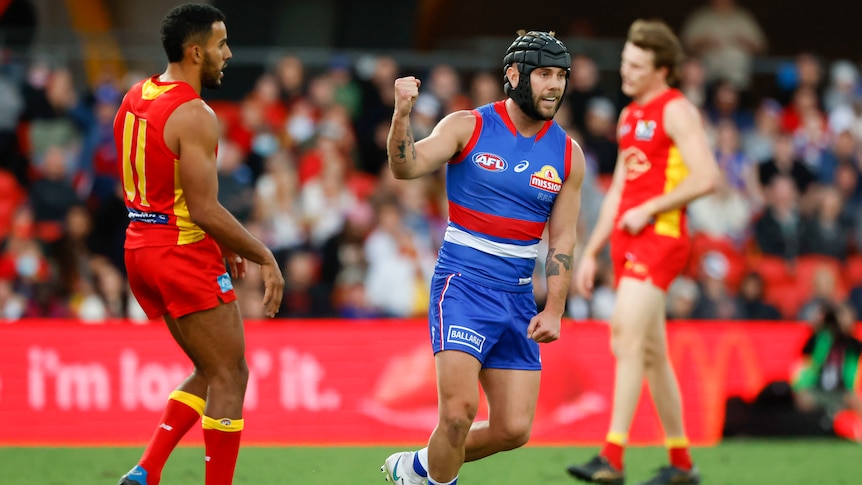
x=195, y=383
x=665, y=392
x=638, y=310
x=663, y=383
x=216, y=343
x=512, y=396
x=458, y=401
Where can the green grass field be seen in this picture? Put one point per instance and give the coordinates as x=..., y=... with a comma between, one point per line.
x=735, y=462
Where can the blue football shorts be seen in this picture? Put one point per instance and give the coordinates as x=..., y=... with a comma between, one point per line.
x=487, y=323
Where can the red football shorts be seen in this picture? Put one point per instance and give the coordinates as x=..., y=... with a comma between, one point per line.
x=178, y=280
x=648, y=256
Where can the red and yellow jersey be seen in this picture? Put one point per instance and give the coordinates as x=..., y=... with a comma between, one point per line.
x=150, y=170
x=652, y=161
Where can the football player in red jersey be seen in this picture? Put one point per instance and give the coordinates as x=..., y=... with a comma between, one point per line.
x=179, y=238
x=664, y=163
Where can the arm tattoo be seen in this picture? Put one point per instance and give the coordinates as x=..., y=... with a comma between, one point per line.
x=552, y=267
x=566, y=259
x=402, y=148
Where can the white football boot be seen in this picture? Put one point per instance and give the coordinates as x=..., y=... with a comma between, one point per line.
x=399, y=469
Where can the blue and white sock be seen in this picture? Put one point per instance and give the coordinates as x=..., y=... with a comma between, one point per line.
x=420, y=462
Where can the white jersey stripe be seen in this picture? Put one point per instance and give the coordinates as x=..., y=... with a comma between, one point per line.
x=503, y=250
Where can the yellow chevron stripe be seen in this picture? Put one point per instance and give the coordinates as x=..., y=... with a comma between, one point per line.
x=190, y=400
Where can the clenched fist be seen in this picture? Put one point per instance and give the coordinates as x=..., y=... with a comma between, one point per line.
x=406, y=92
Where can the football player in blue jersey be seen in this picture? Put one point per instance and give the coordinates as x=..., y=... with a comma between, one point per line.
x=511, y=173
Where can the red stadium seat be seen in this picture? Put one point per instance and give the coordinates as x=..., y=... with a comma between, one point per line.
x=853, y=271
x=773, y=270
x=787, y=297
x=23, y=134
x=807, y=268
x=11, y=196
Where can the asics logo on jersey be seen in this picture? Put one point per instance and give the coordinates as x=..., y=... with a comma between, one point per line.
x=490, y=162
x=522, y=166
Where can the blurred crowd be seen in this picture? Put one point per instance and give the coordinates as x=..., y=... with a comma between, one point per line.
x=302, y=164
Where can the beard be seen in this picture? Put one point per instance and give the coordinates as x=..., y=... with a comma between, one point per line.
x=538, y=108
x=210, y=73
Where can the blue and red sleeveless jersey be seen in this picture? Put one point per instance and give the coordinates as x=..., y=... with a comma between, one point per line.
x=501, y=189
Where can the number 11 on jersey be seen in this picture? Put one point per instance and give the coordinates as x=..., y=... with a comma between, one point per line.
x=139, y=168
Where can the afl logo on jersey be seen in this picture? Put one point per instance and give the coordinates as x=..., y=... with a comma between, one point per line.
x=636, y=163
x=490, y=162
x=547, y=179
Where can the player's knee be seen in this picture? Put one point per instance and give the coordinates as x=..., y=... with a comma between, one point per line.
x=455, y=428
x=456, y=419
x=229, y=375
x=514, y=434
x=461, y=414
x=654, y=355
x=650, y=360
x=626, y=346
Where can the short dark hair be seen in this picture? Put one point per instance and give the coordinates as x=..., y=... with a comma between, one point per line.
x=185, y=22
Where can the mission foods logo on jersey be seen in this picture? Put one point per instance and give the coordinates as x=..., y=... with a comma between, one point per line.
x=490, y=162
x=547, y=179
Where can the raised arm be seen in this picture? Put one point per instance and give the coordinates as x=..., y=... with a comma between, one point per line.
x=409, y=159
x=193, y=130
